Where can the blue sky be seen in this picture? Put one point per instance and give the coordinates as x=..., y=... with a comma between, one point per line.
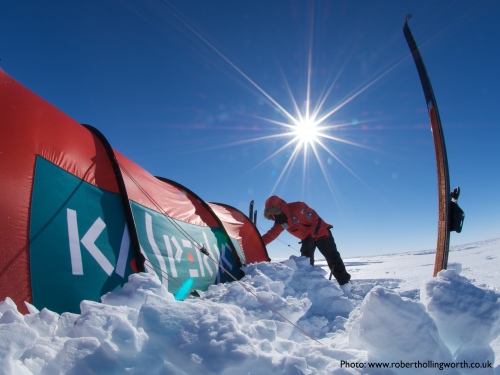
x=206, y=93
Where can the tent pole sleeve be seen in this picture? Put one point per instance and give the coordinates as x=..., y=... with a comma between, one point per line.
x=129, y=217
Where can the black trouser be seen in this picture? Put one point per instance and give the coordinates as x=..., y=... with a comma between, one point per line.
x=328, y=248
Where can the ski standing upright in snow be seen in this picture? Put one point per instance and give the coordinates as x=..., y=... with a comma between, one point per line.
x=450, y=216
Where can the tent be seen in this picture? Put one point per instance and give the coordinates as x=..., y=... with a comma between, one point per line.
x=77, y=217
x=246, y=237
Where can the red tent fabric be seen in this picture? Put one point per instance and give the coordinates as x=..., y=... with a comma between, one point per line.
x=241, y=228
x=72, y=209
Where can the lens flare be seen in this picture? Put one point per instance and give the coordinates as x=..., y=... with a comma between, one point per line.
x=184, y=290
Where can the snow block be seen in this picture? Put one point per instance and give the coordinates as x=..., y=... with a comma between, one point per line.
x=44, y=322
x=392, y=328
x=465, y=314
x=134, y=292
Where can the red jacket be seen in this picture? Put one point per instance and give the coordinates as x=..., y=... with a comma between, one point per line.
x=302, y=221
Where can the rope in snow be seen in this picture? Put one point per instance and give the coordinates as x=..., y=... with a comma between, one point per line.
x=282, y=241
x=267, y=304
x=151, y=199
x=172, y=279
x=177, y=226
x=216, y=262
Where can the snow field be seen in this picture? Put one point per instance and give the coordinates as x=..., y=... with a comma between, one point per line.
x=384, y=319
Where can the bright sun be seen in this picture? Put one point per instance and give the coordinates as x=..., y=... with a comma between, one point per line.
x=306, y=131
x=307, y=126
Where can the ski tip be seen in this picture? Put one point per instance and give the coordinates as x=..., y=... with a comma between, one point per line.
x=408, y=16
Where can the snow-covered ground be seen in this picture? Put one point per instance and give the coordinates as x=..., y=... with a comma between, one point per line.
x=284, y=317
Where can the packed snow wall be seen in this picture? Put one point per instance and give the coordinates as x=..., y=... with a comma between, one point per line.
x=77, y=217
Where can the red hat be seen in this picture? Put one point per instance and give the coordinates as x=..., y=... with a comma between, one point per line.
x=274, y=201
x=273, y=207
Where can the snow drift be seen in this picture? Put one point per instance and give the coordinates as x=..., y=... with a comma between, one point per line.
x=232, y=327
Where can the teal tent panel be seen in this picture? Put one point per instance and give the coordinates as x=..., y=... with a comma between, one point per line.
x=171, y=248
x=79, y=243
x=238, y=249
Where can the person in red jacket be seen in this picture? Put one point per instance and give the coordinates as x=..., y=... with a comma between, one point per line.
x=303, y=222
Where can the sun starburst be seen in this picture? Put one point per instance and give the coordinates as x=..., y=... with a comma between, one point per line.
x=307, y=130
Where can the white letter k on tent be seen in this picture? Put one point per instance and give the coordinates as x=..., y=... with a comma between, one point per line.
x=88, y=240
